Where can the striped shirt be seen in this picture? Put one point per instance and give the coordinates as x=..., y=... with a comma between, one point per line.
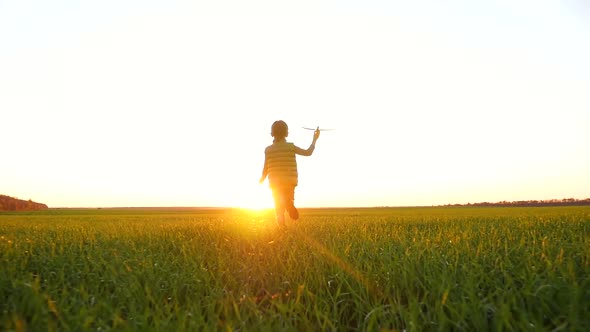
x=280, y=164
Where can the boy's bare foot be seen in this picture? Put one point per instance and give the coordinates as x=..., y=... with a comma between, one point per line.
x=281, y=221
x=293, y=213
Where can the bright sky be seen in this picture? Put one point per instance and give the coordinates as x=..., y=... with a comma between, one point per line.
x=170, y=103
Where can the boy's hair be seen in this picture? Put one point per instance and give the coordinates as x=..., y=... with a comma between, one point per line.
x=279, y=129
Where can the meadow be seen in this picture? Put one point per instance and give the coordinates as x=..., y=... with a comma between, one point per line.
x=395, y=269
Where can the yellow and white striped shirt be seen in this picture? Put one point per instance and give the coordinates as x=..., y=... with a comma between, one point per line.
x=280, y=164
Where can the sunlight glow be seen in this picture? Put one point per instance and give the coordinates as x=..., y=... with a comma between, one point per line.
x=255, y=198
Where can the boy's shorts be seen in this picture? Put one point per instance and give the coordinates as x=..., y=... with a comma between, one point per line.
x=284, y=195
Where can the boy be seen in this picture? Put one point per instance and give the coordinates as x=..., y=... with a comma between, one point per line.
x=280, y=166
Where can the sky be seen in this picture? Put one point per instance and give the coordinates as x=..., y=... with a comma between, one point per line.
x=170, y=103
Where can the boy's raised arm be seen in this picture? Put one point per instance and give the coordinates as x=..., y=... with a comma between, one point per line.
x=309, y=151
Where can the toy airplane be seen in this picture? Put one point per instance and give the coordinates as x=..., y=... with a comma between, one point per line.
x=318, y=128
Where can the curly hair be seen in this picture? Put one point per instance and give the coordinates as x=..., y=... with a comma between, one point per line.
x=279, y=130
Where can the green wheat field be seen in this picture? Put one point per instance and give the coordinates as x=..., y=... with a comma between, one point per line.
x=395, y=269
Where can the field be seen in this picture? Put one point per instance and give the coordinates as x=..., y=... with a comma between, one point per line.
x=412, y=269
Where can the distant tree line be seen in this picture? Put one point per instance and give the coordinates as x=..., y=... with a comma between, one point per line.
x=550, y=202
x=8, y=203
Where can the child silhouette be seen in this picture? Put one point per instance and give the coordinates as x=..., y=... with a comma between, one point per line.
x=280, y=165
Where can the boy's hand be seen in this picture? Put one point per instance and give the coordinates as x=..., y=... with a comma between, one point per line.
x=261, y=180
x=316, y=134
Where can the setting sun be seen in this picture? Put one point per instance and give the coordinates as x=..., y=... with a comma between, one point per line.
x=254, y=198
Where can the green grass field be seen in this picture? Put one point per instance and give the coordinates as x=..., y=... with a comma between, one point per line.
x=413, y=269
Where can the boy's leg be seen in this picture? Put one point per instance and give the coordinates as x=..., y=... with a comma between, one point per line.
x=290, y=203
x=279, y=206
x=280, y=217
